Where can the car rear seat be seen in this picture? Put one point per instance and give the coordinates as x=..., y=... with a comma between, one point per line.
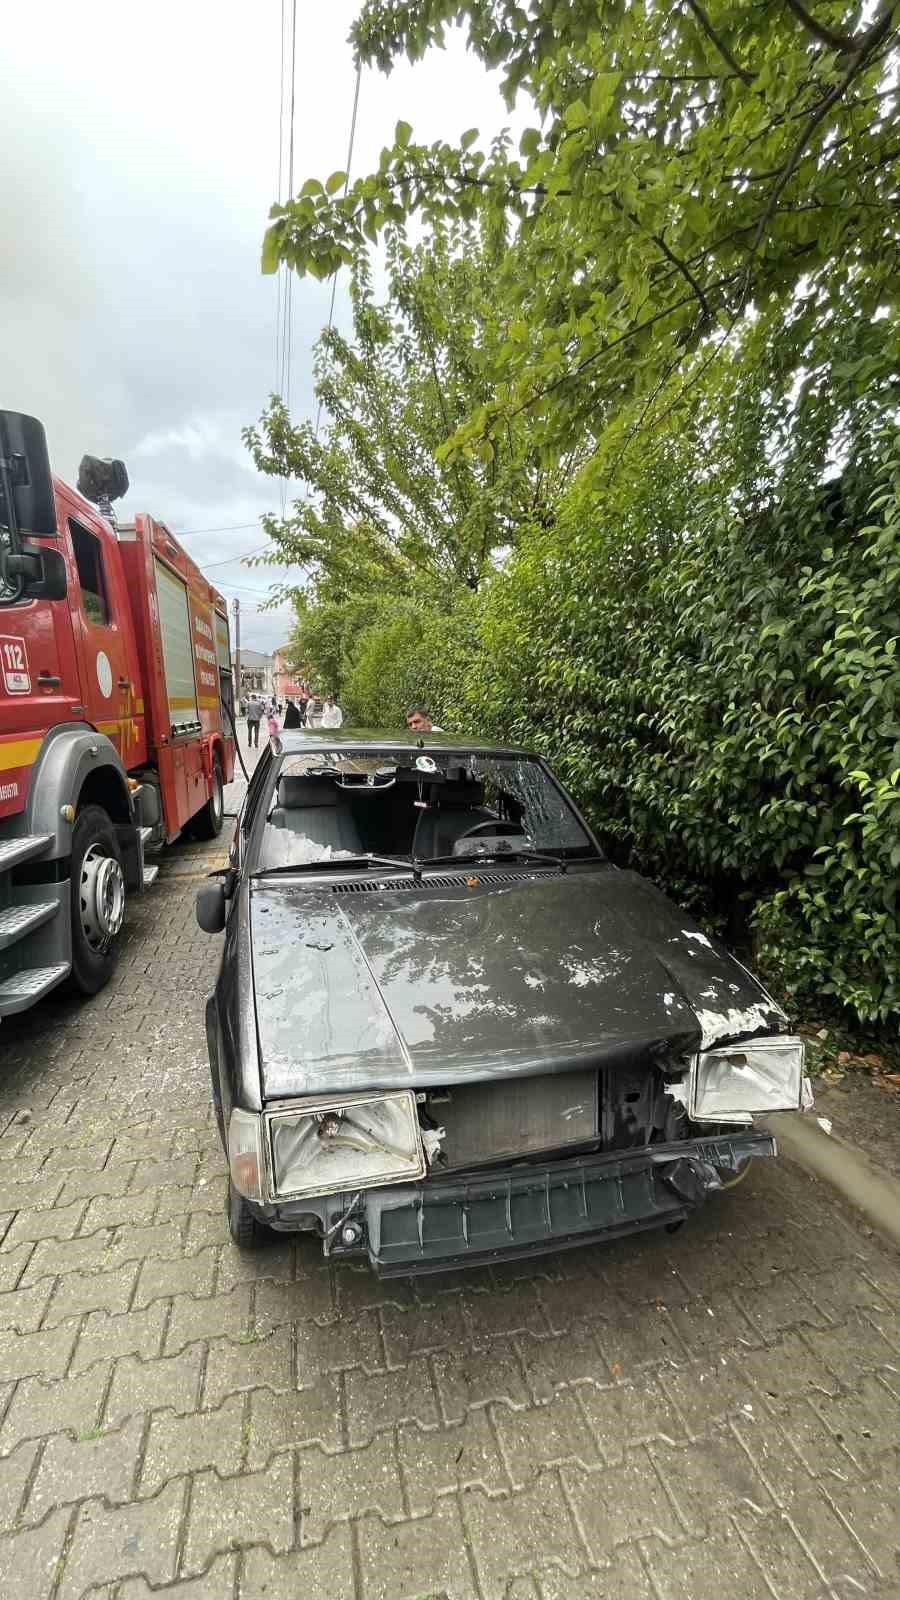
x=314, y=809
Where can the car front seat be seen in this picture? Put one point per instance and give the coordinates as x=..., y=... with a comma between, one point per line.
x=314, y=809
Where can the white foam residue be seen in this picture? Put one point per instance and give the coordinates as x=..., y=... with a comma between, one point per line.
x=700, y=937
x=718, y=1025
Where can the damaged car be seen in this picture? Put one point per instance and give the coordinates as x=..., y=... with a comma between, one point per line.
x=447, y=1030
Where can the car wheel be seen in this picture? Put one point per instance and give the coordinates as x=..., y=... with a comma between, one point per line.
x=97, y=900
x=247, y=1232
x=207, y=824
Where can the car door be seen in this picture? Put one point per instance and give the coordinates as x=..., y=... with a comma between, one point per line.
x=107, y=689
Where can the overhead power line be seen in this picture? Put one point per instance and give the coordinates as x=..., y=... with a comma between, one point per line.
x=233, y=527
x=346, y=187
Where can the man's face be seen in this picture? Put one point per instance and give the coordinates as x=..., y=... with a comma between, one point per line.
x=418, y=723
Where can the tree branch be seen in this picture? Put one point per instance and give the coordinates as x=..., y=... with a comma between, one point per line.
x=846, y=43
x=720, y=44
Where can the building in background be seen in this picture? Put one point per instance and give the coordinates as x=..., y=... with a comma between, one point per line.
x=288, y=680
x=257, y=675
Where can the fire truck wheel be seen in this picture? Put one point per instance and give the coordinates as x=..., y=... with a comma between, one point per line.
x=247, y=1232
x=98, y=900
x=207, y=824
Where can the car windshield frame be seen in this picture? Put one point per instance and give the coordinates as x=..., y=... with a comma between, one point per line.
x=365, y=756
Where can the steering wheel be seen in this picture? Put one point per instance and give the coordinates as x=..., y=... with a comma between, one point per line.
x=489, y=823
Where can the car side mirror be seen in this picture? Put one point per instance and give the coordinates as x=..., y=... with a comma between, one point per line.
x=211, y=907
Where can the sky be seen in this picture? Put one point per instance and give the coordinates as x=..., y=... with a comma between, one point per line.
x=138, y=161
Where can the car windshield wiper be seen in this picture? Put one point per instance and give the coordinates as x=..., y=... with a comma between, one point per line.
x=368, y=860
x=508, y=853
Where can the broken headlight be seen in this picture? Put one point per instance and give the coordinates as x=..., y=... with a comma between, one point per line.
x=737, y=1081
x=354, y=1143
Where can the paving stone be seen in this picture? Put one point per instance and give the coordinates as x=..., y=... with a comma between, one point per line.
x=115, y=1211
x=312, y=1416
x=279, y=1304
x=226, y=1513
x=642, y=1334
x=337, y=1346
x=92, y=1291
x=216, y=1316
x=869, y=1510
x=151, y=1242
x=178, y=1444
x=804, y=1436
x=716, y=1565
x=357, y=1288
x=53, y=1222
x=438, y=1461
x=624, y=1579
x=322, y=1572
x=163, y=1174
x=706, y=1324
x=334, y=1488
x=376, y=1401
x=788, y=1368
x=23, y=1309
x=17, y=1195
x=276, y=1261
x=186, y=1275
x=39, y=1408
x=781, y=1555
x=706, y=1392
x=514, y=1536
x=88, y=1185
x=47, y=1355
x=131, y=1333
x=423, y=1330
x=140, y=1539
x=864, y=1421
x=30, y=1561
x=72, y=1469
x=144, y=1385
x=52, y=1257
x=13, y=1265
x=261, y=1363
x=415, y=1560
x=545, y=1435
x=574, y=1357
x=625, y=1414
x=469, y=1378
x=89, y=1157
x=501, y=1315
x=616, y=1506
x=216, y=1584
x=14, y=1473
x=711, y=1477
x=853, y=1349
x=782, y=1306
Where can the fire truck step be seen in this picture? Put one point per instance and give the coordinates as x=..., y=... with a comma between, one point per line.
x=15, y=851
x=21, y=991
x=19, y=920
x=150, y=876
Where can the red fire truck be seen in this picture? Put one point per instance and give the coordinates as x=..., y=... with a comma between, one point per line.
x=115, y=714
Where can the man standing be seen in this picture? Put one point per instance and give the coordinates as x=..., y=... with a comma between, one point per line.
x=332, y=715
x=254, y=716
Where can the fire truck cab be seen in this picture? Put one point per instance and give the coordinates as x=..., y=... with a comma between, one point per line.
x=116, y=717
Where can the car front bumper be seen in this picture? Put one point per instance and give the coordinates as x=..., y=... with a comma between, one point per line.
x=467, y=1220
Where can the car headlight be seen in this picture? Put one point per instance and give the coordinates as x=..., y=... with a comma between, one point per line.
x=741, y=1080
x=357, y=1142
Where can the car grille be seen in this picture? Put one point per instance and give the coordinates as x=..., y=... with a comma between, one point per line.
x=455, y=880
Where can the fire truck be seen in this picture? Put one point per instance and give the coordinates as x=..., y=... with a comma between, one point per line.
x=116, y=714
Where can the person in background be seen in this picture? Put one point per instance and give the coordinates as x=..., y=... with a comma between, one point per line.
x=332, y=715
x=273, y=724
x=293, y=717
x=418, y=720
x=255, y=710
x=313, y=712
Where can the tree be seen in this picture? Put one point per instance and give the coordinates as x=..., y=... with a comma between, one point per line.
x=693, y=161
x=384, y=512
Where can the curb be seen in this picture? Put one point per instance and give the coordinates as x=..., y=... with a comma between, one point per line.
x=869, y=1188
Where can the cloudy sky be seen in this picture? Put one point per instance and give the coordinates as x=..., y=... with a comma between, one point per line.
x=138, y=160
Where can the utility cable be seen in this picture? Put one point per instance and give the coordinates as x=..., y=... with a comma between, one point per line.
x=346, y=188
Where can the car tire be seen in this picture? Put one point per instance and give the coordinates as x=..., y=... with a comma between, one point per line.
x=207, y=824
x=97, y=900
x=247, y=1232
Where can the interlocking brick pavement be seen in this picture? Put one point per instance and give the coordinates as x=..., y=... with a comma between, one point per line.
x=709, y=1414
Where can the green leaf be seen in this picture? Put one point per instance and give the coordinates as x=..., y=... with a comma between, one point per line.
x=335, y=182
x=468, y=138
x=402, y=134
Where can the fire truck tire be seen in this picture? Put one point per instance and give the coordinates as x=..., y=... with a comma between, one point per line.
x=207, y=824
x=97, y=900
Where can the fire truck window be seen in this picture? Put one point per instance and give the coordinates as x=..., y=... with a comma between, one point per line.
x=89, y=560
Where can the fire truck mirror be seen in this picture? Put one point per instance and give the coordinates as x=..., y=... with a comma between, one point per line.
x=211, y=907
x=23, y=449
x=43, y=572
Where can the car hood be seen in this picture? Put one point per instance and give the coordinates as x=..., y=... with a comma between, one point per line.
x=364, y=987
